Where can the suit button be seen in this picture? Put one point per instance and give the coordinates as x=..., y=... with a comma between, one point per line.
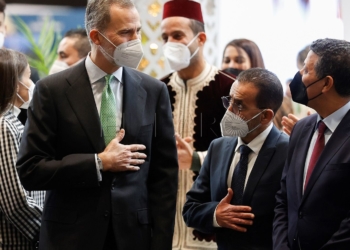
x=106, y=214
x=300, y=215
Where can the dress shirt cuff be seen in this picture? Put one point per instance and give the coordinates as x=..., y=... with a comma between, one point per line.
x=215, y=222
x=202, y=155
x=99, y=176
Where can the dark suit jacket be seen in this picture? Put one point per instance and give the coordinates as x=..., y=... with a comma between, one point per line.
x=320, y=217
x=57, y=153
x=263, y=183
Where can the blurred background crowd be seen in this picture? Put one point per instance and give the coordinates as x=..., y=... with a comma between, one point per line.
x=280, y=28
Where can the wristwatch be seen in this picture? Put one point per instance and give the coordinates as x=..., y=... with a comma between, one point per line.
x=99, y=162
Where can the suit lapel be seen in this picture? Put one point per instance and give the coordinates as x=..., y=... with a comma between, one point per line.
x=82, y=101
x=134, y=101
x=299, y=155
x=226, y=163
x=266, y=152
x=338, y=138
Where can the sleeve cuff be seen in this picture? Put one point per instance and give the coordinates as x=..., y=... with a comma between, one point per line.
x=99, y=176
x=196, y=162
x=215, y=222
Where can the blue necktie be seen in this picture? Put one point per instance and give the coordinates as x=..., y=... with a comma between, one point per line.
x=239, y=175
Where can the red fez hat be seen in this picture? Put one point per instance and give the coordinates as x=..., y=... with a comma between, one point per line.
x=184, y=8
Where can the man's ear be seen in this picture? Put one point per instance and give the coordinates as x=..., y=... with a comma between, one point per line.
x=267, y=116
x=95, y=37
x=329, y=82
x=202, y=38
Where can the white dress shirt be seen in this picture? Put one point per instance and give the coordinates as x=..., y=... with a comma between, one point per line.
x=332, y=121
x=98, y=82
x=255, y=145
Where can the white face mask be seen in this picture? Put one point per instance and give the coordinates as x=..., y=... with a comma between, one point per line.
x=128, y=54
x=58, y=66
x=25, y=104
x=2, y=39
x=233, y=125
x=178, y=54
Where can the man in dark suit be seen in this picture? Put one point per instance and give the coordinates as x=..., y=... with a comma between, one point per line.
x=242, y=216
x=313, y=205
x=104, y=191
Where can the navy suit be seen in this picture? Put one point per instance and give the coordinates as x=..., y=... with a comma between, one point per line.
x=319, y=219
x=57, y=153
x=263, y=183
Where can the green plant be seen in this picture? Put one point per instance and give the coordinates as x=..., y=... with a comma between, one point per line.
x=44, y=49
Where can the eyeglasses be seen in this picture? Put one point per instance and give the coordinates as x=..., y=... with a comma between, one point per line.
x=227, y=102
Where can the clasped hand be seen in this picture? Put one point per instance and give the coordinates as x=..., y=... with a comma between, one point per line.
x=118, y=157
x=232, y=216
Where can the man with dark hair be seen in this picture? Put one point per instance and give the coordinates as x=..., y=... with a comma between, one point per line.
x=195, y=89
x=234, y=194
x=100, y=139
x=312, y=209
x=73, y=48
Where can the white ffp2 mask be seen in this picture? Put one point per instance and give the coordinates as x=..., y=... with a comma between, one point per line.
x=178, y=54
x=233, y=125
x=128, y=54
x=58, y=66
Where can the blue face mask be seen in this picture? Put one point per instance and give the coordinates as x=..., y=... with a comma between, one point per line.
x=298, y=89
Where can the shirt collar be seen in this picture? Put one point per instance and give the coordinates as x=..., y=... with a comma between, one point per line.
x=95, y=73
x=16, y=111
x=332, y=121
x=256, y=144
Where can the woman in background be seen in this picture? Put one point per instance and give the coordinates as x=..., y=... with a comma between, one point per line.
x=243, y=54
x=20, y=210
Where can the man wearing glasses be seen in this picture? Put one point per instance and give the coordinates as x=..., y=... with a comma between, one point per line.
x=234, y=195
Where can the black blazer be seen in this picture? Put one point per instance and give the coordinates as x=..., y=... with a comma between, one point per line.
x=57, y=153
x=319, y=219
x=211, y=186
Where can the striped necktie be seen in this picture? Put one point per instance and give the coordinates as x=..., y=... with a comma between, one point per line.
x=108, y=112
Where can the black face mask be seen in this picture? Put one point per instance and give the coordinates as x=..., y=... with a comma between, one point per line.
x=298, y=89
x=233, y=71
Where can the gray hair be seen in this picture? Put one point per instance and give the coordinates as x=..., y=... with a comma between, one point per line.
x=97, y=13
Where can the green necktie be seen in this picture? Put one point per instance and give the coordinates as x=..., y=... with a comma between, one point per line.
x=108, y=112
